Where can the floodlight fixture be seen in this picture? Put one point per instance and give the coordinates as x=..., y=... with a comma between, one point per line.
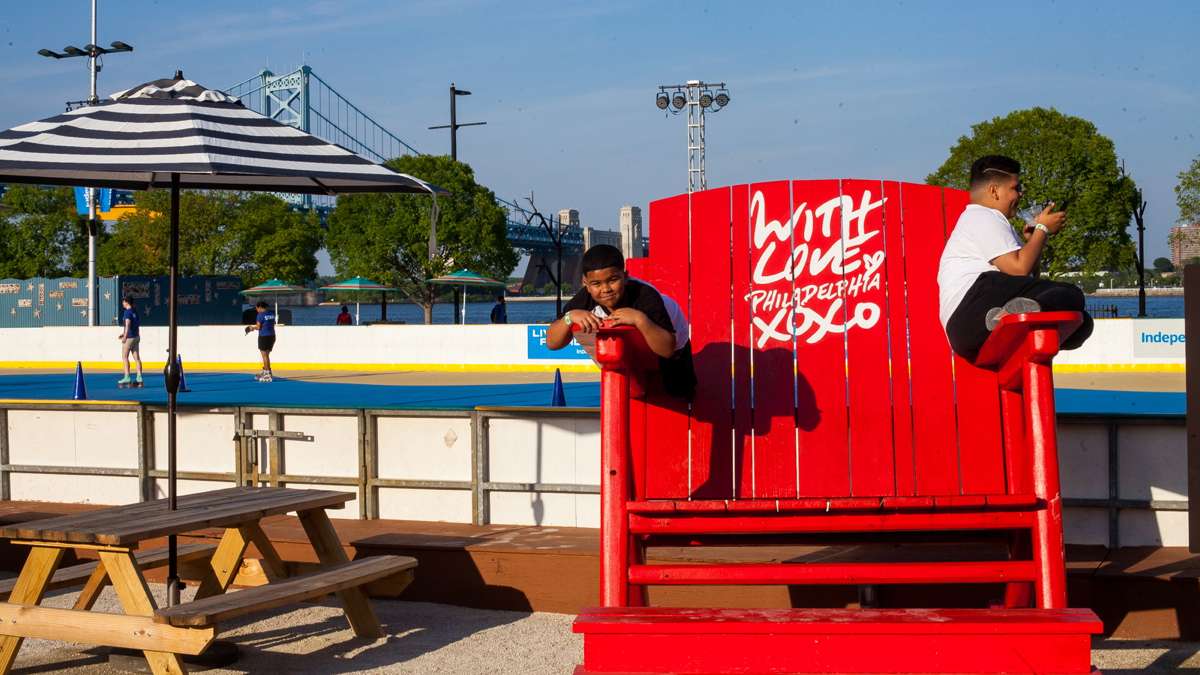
x=118, y=46
x=706, y=99
x=72, y=50
x=49, y=54
x=662, y=100
x=722, y=98
x=679, y=100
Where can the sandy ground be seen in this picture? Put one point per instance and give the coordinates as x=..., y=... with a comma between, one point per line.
x=430, y=638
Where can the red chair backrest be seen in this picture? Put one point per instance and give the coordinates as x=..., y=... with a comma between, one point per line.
x=834, y=381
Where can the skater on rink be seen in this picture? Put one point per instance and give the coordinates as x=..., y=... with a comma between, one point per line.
x=265, y=325
x=130, y=337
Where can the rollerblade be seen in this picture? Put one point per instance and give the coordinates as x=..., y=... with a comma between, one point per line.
x=137, y=384
x=124, y=383
x=264, y=376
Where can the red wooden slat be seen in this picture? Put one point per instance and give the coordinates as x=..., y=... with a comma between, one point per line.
x=897, y=318
x=976, y=394
x=711, y=318
x=819, y=318
x=773, y=457
x=872, y=462
x=934, y=436
x=666, y=419
x=981, y=572
x=743, y=441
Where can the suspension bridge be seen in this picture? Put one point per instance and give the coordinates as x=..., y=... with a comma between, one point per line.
x=304, y=100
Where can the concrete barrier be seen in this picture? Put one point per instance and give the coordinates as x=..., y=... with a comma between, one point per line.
x=1116, y=345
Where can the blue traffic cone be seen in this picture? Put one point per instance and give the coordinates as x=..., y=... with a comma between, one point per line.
x=559, y=399
x=182, y=378
x=80, y=387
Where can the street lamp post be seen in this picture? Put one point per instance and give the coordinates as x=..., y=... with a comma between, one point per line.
x=1139, y=215
x=697, y=97
x=454, y=125
x=93, y=52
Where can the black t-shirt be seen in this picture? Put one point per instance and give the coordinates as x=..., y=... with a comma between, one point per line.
x=678, y=371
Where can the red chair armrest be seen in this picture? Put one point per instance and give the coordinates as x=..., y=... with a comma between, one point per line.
x=1026, y=337
x=624, y=348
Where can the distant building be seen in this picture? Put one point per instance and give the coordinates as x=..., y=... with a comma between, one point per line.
x=569, y=217
x=631, y=232
x=593, y=237
x=1185, y=244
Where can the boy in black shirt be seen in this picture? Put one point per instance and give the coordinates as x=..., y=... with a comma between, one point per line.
x=610, y=296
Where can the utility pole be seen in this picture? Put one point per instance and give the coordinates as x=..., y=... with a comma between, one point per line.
x=93, y=52
x=1139, y=215
x=454, y=125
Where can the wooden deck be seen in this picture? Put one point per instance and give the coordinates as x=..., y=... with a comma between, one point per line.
x=1142, y=593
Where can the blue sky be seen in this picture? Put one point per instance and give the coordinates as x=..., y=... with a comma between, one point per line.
x=820, y=89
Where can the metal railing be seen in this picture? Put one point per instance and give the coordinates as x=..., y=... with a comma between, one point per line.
x=260, y=454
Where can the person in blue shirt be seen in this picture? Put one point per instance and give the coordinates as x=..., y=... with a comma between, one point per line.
x=265, y=325
x=131, y=337
x=500, y=311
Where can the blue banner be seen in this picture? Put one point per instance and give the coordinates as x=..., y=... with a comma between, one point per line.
x=103, y=200
x=537, y=348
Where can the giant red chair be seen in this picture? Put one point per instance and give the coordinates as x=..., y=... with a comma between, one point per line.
x=828, y=402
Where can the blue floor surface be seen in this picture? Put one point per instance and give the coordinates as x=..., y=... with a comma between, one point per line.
x=229, y=389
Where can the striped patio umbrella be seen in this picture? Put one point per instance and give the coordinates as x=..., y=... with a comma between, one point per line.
x=359, y=285
x=176, y=134
x=465, y=278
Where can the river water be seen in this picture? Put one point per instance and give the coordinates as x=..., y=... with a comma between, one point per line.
x=542, y=311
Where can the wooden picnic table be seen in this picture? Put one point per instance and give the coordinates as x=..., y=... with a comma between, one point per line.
x=188, y=628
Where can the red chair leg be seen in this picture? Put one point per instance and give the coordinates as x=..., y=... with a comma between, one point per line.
x=1018, y=594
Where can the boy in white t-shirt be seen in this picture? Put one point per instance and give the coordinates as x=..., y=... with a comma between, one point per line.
x=986, y=272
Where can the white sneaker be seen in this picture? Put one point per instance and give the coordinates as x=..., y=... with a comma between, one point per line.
x=1014, y=306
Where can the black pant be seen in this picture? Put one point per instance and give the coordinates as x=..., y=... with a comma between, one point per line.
x=967, y=328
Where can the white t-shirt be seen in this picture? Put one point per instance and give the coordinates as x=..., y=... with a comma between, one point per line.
x=981, y=235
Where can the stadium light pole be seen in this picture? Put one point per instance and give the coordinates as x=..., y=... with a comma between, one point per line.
x=93, y=52
x=698, y=97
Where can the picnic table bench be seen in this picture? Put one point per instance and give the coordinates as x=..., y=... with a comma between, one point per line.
x=187, y=628
x=828, y=402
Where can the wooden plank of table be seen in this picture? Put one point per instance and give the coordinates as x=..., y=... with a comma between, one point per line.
x=127, y=525
x=340, y=578
x=98, y=517
x=31, y=587
x=111, y=515
x=102, y=628
x=136, y=600
x=225, y=562
x=175, y=522
x=329, y=551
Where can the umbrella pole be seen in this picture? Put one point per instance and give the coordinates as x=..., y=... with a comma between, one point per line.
x=172, y=390
x=357, y=312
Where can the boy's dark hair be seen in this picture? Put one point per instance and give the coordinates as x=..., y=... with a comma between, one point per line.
x=261, y=304
x=127, y=300
x=345, y=309
x=991, y=168
x=601, y=256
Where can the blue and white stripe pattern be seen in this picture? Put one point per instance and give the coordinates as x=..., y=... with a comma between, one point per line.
x=145, y=134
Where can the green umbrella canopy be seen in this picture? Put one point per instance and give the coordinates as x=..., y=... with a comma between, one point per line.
x=465, y=278
x=274, y=286
x=357, y=284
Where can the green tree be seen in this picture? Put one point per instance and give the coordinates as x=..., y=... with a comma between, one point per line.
x=1163, y=265
x=40, y=233
x=1063, y=159
x=386, y=236
x=1187, y=193
x=252, y=235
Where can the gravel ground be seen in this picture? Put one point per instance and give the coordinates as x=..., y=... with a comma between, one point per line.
x=429, y=638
